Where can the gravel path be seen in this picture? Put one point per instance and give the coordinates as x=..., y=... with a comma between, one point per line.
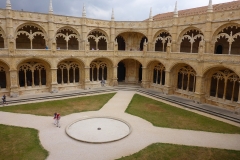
x=62, y=147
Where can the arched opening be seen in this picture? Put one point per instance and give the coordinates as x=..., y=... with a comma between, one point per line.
x=121, y=43
x=186, y=79
x=161, y=41
x=68, y=72
x=190, y=41
x=30, y=37
x=67, y=39
x=219, y=49
x=121, y=72
x=32, y=74
x=229, y=39
x=224, y=85
x=3, y=79
x=129, y=71
x=99, y=70
x=97, y=41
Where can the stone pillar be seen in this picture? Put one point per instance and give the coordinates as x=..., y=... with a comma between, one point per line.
x=10, y=44
x=150, y=36
x=208, y=32
x=51, y=42
x=144, y=78
x=14, y=92
x=87, y=77
x=115, y=79
x=168, y=83
x=84, y=34
x=112, y=36
x=174, y=35
x=199, y=95
x=53, y=87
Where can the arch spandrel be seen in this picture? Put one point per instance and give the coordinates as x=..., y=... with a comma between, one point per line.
x=5, y=64
x=46, y=62
x=150, y=62
x=80, y=61
x=137, y=59
x=109, y=61
x=175, y=65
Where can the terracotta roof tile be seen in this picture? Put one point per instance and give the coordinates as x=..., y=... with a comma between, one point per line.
x=199, y=10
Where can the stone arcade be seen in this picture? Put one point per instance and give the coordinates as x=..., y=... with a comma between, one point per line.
x=193, y=53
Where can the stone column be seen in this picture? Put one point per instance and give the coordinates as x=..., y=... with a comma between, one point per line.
x=199, y=95
x=87, y=77
x=84, y=35
x=174, y=35
x=51, y=42
x=10, y=44
x=208, y=33
x=53, y=87
x=144, y=78
x=115, y=79
x=112, y=36
x=168, y=83
x=14, y=92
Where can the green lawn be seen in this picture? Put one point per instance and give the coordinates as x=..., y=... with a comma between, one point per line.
x=164, y=115
x=23, y=143
x=64, y=107
x=160, y=151
x=20, y=143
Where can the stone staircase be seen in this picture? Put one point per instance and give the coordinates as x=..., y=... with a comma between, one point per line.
x=213, y=110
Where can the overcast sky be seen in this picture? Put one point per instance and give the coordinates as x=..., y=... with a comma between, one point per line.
x=124, y=10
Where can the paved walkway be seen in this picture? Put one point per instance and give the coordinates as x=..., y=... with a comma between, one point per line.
x=62, y=147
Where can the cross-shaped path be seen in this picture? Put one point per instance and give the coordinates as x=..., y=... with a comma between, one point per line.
x=62, y=147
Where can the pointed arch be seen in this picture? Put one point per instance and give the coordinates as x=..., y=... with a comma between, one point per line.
x=189, y=40
x=226, y=39
x=67, y=38
x=30, y=36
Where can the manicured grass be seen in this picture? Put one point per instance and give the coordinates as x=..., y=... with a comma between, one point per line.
x=20, y=143
x=64, y=107
x=160, y=151
x=164, y=115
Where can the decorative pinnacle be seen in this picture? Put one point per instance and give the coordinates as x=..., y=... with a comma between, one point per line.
x=210, y=7
x=8, y=5
x=112, y=17
x=50, y=7
x=150, y=15
x=175, y=10
x=84, y=11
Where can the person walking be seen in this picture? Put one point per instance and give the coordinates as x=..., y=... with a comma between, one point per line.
x=55, y=118
x=102, y=82
x=58, y=120
x=4, y=101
